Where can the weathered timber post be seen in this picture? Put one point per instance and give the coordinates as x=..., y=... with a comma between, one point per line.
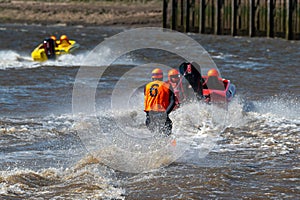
x=181, y=15
x=270, y=19
x=260, y=18
x=233, y=17
x=193, y=15
x=165, y=11
x=217, y=28
x=202, y=16
x=187, y=16
x=251, y=18
x=289, y=23
x=174, y=14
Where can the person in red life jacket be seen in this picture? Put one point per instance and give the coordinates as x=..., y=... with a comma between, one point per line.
x=64, y=41
x=213, y=82
x=159, y=101
x=176, y=83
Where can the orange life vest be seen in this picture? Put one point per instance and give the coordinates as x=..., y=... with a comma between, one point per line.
x=156, y=95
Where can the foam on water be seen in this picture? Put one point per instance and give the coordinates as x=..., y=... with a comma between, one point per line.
x=196, y=129
x=234, y=61
x=12, y=59
x=84, y=181
x=120, y=140
x=270, y=130
x=267, y=134
x=15, y=60
x=40, y=158
x=285, y=106
x=272, y=124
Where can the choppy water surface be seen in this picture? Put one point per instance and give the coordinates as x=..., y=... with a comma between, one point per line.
x=250, y=152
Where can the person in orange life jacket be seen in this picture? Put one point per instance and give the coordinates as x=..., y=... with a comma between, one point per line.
x=159, y=101
x=64, y=41
x=176, y=83
x=213, y=82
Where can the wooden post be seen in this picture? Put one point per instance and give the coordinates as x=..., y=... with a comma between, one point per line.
x=217, y=17
x=165, y=11
x=211, y=16
x=251, y=18
x=193, y=15
x=233, y=17
x=288, y=34
x=187, y=16
x=174, y=14
x=202, y=16
x=182, y=15
x=270, y=19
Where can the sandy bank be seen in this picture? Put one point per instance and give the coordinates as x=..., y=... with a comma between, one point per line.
x=81, y=13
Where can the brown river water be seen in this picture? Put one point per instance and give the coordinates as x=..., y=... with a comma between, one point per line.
x=250, y=150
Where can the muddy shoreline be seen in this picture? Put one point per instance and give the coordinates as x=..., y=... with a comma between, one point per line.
x=95, y=13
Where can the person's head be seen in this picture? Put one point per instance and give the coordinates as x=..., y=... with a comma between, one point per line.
x=64, y=37
x=53, y=37
x=213, y=72
x=173, y=76
x=157, y=74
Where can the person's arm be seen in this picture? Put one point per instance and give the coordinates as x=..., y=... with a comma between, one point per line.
x=171, y=100
x=145, y=98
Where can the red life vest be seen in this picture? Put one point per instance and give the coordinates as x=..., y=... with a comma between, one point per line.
x=178, y=92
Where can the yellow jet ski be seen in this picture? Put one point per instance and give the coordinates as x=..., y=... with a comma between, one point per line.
x=50, y=49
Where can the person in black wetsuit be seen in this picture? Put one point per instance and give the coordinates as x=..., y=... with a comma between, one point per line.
x=193, y=80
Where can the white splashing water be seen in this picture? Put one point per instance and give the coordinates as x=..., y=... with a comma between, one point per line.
x=11, y=59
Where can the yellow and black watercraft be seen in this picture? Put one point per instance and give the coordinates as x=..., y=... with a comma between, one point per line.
x=51, y=48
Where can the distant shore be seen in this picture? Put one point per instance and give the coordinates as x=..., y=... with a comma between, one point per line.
x=91, y=13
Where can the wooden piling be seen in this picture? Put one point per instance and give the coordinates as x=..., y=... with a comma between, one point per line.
x=165, y=13
x=182, y=15
x=202, y=16
x=174, y=15
x=233, y=17
x=288, y=35
x=193, y=15
x=217, y=17
x=187, y=16
x=251, y=18
x=268, y=18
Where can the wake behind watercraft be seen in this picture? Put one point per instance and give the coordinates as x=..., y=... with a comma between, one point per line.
x=51, y=48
